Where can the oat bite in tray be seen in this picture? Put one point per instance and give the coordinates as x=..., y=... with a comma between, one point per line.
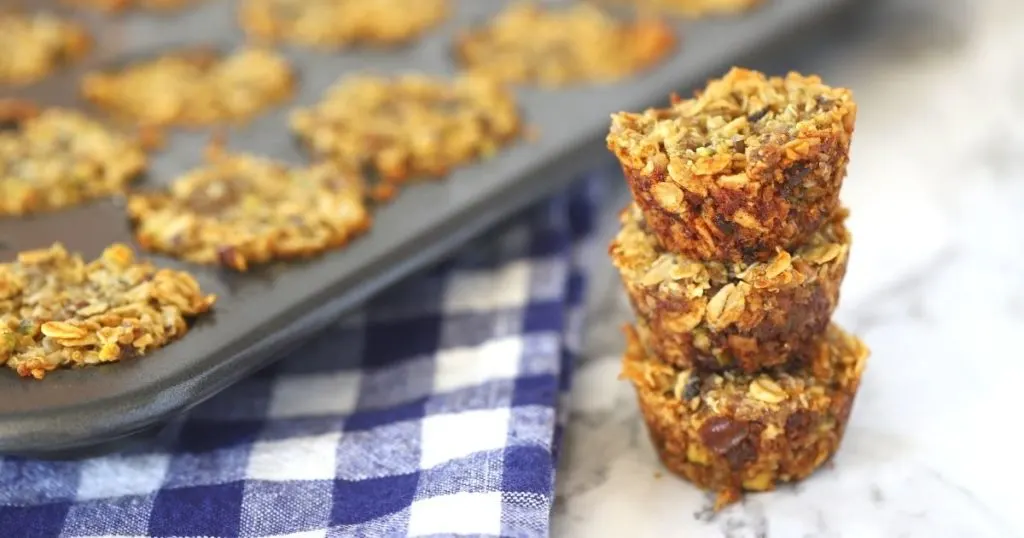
x=121, y=5
x=553, y=47
x=733, y=432
x=53, y=158
x=57, y=310
x=696, y=8
x=410, y=126
x=341, y=23
x=719, y=316
x=750, y=165
x=37, y=44
x=193, y=87
x=241, y=210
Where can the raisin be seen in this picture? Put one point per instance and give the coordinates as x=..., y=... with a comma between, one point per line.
x=794, y=180
x=799, y=424
x=741, y=454
x=756, y=116
x=230, y=257
x=722, y=434
x=724, y=225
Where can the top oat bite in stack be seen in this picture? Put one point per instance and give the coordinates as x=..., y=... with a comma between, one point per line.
x=749, y=165
x=732, y=255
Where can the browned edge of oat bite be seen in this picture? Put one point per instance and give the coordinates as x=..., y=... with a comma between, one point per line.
x=751, y=164
x=721, y=316
x=55, y=158
x=57, y=310
x=239, y=210
x=193, y=87
x=732, y=432
x=39, y=44
x=407, y=127
x=555, y=47
x=342, y=23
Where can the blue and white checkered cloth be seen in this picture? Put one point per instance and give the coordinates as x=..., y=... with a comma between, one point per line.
x=432, y=412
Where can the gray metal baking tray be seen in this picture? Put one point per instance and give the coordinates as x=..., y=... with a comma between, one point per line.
x=261, y=314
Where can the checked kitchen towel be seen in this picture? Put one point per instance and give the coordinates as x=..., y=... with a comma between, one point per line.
x=432, y=412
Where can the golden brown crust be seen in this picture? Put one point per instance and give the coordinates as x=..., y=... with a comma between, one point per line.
x=749, y=165
x=193, y=88
x=57, y=310
x=38, y=44
x=730, y=315
x=55, y=158
x=410, y=126
x=340, y=23
x=527, y=43
x=730, y=432
x=242, y=210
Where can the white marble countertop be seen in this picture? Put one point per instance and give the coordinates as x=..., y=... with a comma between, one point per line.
x=935, y=287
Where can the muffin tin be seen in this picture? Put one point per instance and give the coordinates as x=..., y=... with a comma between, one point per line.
x=261, y=314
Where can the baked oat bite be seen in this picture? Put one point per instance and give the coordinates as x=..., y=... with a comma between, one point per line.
x=341, y=23
x=121, y=5
x=56, y=158
x=409, y=126
x=719, y=316
x=193, y=87
x=37, y=44
x=697, y=8
x=749, y=165
x=733, y=432
x=57, y=310
x=241, y=210
x=527, y=43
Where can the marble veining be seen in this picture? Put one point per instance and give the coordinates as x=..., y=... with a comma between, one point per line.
x=935, y=287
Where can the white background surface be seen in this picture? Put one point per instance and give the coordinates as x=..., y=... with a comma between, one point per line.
x=935, y=287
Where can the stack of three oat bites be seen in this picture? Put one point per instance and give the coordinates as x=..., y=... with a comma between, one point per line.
x=732, y=253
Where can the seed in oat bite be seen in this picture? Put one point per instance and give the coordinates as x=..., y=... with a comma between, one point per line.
x=552, y=47
x=37, y=44
x=409, y=126
x=241, y=210
x=194, y=88
x=738, y=432
x=56, y=158
x=695, y=8
x=57, y=310
x=340, y=23
x=750, y=165
x=121, y=5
